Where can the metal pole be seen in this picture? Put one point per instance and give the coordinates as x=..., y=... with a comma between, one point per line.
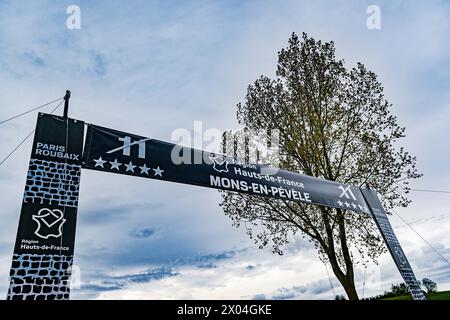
x=66, y=103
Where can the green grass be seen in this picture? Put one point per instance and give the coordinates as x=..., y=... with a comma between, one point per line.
x=443, y=295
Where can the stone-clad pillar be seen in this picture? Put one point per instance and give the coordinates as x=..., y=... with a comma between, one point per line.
x=43, y=253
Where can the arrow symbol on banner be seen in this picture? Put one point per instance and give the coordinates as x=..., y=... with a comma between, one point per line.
x=128, y=145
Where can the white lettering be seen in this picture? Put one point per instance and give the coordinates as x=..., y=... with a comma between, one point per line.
x=74, y=20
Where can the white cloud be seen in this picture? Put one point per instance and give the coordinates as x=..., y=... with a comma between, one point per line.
x=251, y=273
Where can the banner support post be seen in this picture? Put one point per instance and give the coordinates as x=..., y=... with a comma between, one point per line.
x=66, y=103
x=393, y=245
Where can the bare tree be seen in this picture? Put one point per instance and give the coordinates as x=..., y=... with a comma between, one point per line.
x=335, y=124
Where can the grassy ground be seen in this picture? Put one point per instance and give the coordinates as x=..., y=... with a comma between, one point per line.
x=443, y=295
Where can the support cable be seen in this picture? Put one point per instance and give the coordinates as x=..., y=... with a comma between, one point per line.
x=31, y=110
x=424, y=240
x=329, y=279
x=422, y=190
x=26, y=138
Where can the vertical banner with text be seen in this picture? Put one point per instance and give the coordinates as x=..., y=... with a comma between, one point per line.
x=43, y=253
x=382, y=221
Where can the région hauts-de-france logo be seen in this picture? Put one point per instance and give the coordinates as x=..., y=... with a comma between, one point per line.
x=400, y=255
x=49, y=223
x=220, y=163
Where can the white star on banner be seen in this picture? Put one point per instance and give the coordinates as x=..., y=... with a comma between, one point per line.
x=158, y=171
x=340, y=203
x=347, y=204
x=99, y=162
x=115, y=165
x=354, y=206
x=144, y=169
x=130, y=167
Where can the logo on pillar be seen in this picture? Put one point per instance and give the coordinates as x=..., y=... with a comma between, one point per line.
x=49, y=223
x=400, y=255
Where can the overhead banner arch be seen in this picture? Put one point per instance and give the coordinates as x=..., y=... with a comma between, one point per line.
x=125, y=153
x=54, y=191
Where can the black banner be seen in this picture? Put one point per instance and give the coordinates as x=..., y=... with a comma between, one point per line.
x=43, y=252
x=381, y=219
x=119, y=152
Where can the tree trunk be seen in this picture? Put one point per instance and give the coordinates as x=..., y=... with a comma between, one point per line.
x=349, y=286
x=346, y=276
x=350, y=289
x=347, y=282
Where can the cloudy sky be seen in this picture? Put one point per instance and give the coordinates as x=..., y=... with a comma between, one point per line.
x=149, y=67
